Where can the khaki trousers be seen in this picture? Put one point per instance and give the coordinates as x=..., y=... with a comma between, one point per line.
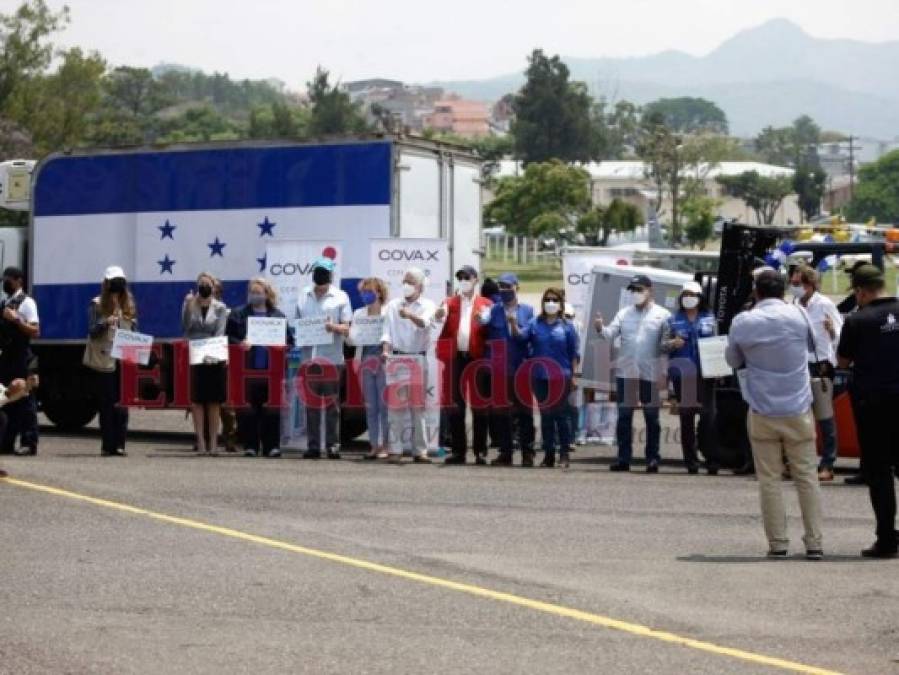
x=772, y=438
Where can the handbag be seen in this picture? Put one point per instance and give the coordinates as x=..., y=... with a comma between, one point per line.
x=822, y=387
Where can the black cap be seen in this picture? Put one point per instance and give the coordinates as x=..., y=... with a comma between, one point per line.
x=865, y=274
x=858, y=263
x=640, y=280
x=467, y=270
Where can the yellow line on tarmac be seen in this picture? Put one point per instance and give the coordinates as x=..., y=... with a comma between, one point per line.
x=478, y=591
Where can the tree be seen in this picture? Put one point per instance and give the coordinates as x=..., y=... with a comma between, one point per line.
x=198, y=124
x=877, y=191
x=333, y=112
x=135, y=91
x=24, y=50
x=686, y=115
x=808, y=184
x=15, y=142
x=762, y=194
x=790, y=146
x=699, y=213
x=278, y=120
x=547, y=187
x=552, y=114
x=599, y=223
x=57, y=109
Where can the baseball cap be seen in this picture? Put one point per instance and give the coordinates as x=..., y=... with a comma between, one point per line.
x=467, y=270
x=323, y=263
x=691, y=287
x=114, y=272
x=508, y=278
x=640, y=280
x=865, y=274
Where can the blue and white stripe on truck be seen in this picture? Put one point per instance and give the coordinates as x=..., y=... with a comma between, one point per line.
x=167, y=216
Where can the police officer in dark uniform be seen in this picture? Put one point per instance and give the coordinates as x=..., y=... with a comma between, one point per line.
x=18, y=325
x=869, y=344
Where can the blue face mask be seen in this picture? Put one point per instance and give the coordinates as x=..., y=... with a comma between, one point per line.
x=507, y=295
x=368, y=297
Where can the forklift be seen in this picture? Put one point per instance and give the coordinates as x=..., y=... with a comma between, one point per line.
x=745, y=248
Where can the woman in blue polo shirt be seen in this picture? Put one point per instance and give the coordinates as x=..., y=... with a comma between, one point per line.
x=553, y=340
x=680, y=340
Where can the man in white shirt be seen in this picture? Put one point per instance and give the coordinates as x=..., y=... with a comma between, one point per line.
x=19, y=324
x=322, y=395
x=639, y=326
x=826, y=323
x=771, y=341
x=408, y=324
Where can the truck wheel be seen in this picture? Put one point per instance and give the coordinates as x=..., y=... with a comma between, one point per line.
x=69, y=414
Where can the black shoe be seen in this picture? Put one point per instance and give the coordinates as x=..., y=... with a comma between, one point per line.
x=857, y=479
x=549, y=460
x=527, y=460
x=564, y=462
x=652, y=467
x=881, y=550
x=777, y=554
x=421, y=459
x=620, y=466
x=712, y=470
x=814, y=554
x=312, y=454
x=480, y=460
x=503, y=459
x=455, y=460
x=693, y=469
x=333, y=454
x=745, y=470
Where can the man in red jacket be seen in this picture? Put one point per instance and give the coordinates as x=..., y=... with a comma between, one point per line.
x=462, y=341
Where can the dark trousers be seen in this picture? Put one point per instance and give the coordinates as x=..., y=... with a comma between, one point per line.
x=629, y=392
x=517, y=415
x=330, y=409
x=555, y=420
x=258, y=426
x=694, y=400
x=22, y=414
x=461, y=399
x=113, y=417
x=875, y=420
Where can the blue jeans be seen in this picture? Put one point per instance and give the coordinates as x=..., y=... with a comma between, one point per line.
x=828, y=443
x=628, y=393
x=555, y=418
x=373, y=385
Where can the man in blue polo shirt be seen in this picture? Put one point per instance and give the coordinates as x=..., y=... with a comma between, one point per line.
x=507, y=354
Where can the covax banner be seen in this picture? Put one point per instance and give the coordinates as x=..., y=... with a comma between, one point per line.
x=390, y=258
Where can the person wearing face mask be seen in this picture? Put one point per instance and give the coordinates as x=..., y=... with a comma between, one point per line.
x=373, y=293
x=408, y=323
x=680, y=340
x=202, y=316
x=826, y=323
x=512, y=415
x=19, y=324
x=258, y=425
x=553, y=339
x=639, y=326
x=868, y=345
x=113, y=309
x=462, y=342
x=323, y=365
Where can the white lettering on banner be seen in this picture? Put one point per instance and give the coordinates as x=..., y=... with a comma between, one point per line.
x=577, y=271
x=264, y=331
x=391, y=259
x=131, y=347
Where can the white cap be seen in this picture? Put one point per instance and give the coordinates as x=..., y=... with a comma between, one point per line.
x=114, y=272
x=691, y=287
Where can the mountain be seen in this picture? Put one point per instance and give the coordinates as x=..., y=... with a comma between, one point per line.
x=765, y=75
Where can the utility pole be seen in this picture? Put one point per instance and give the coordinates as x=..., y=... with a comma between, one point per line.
x=851, y=167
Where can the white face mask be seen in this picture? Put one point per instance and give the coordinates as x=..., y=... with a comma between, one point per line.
x=690, y=302
x=409, y=290
x=797, y=291
x=638, y=298
x=551, y=308
x=466, y=285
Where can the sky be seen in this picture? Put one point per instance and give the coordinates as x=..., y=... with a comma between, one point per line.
x=420, y=41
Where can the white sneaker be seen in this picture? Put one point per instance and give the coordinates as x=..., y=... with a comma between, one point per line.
x=274, y=453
